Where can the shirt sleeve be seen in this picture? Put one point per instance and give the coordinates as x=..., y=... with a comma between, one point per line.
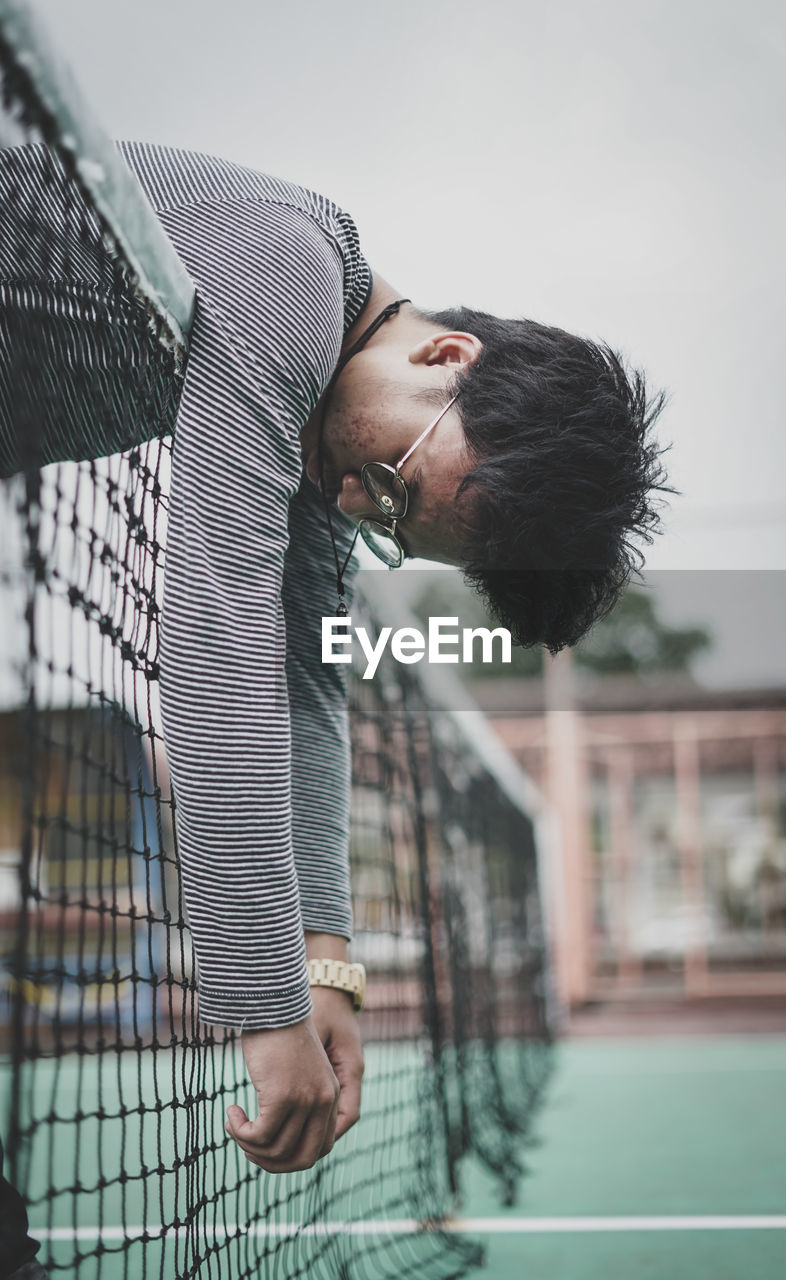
x=266, y=336
x=321, y=764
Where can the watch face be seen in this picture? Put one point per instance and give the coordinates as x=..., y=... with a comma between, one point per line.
x=360, y=987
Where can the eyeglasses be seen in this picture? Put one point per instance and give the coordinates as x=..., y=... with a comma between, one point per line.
x=387, y=490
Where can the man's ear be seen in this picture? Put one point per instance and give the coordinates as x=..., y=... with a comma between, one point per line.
x=447, y=348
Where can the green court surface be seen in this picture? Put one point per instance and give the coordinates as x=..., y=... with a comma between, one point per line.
x=653, y=1159
x=681, y=1129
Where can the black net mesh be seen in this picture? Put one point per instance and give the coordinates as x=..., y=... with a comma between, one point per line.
x=114, y=1092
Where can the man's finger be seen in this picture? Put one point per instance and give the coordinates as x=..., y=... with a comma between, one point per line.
x=330, y=1134
x=283, y=1148
x=235, y=1117
x=300, y=1136
x=263, y=1131
x=319, y=1141
x=350, y=1078
x=316, y=1140
x=345, y=1052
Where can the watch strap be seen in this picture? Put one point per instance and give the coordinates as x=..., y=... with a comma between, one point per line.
x=342, y=975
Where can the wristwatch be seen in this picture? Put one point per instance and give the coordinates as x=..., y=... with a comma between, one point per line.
x=341, y=975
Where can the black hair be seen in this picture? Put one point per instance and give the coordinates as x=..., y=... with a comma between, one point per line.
x=565, y=468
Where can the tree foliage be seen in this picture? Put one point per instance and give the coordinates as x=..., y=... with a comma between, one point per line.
x=632, y=640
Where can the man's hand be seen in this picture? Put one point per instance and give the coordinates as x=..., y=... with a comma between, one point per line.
x=307, y=1095
x=337, y=1027
x=297, y=1098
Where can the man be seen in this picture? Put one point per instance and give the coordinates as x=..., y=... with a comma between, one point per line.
x=531, y=469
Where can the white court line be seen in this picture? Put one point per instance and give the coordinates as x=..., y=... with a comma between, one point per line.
x=409, y=1226
x=675, y=1069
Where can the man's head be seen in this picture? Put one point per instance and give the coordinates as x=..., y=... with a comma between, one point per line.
x=563, y=476
x=536, y=482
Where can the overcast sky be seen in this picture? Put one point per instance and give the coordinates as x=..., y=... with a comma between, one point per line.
x=612, y=167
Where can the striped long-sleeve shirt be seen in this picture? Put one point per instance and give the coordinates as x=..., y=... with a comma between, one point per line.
x=255, y=726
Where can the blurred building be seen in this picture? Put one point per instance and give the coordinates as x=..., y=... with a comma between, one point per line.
x=666, y=864
x=98, y=865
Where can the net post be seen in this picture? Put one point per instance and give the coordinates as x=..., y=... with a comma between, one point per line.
x=69, y=126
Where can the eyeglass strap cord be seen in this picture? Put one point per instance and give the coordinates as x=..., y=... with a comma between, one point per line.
x=391, y=310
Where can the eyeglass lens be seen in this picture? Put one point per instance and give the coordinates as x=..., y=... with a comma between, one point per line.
x=385, y=489
x=382, y=542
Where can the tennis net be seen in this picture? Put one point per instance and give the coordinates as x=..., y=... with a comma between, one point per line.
x=114, y=1091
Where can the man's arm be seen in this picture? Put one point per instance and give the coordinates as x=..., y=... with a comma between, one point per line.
x=267, y=331
x=279, y=276
x=321, y=776
x=227, y=725
x=297, y=1122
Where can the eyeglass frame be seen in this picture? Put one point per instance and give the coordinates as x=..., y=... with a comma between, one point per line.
x=395, y=473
